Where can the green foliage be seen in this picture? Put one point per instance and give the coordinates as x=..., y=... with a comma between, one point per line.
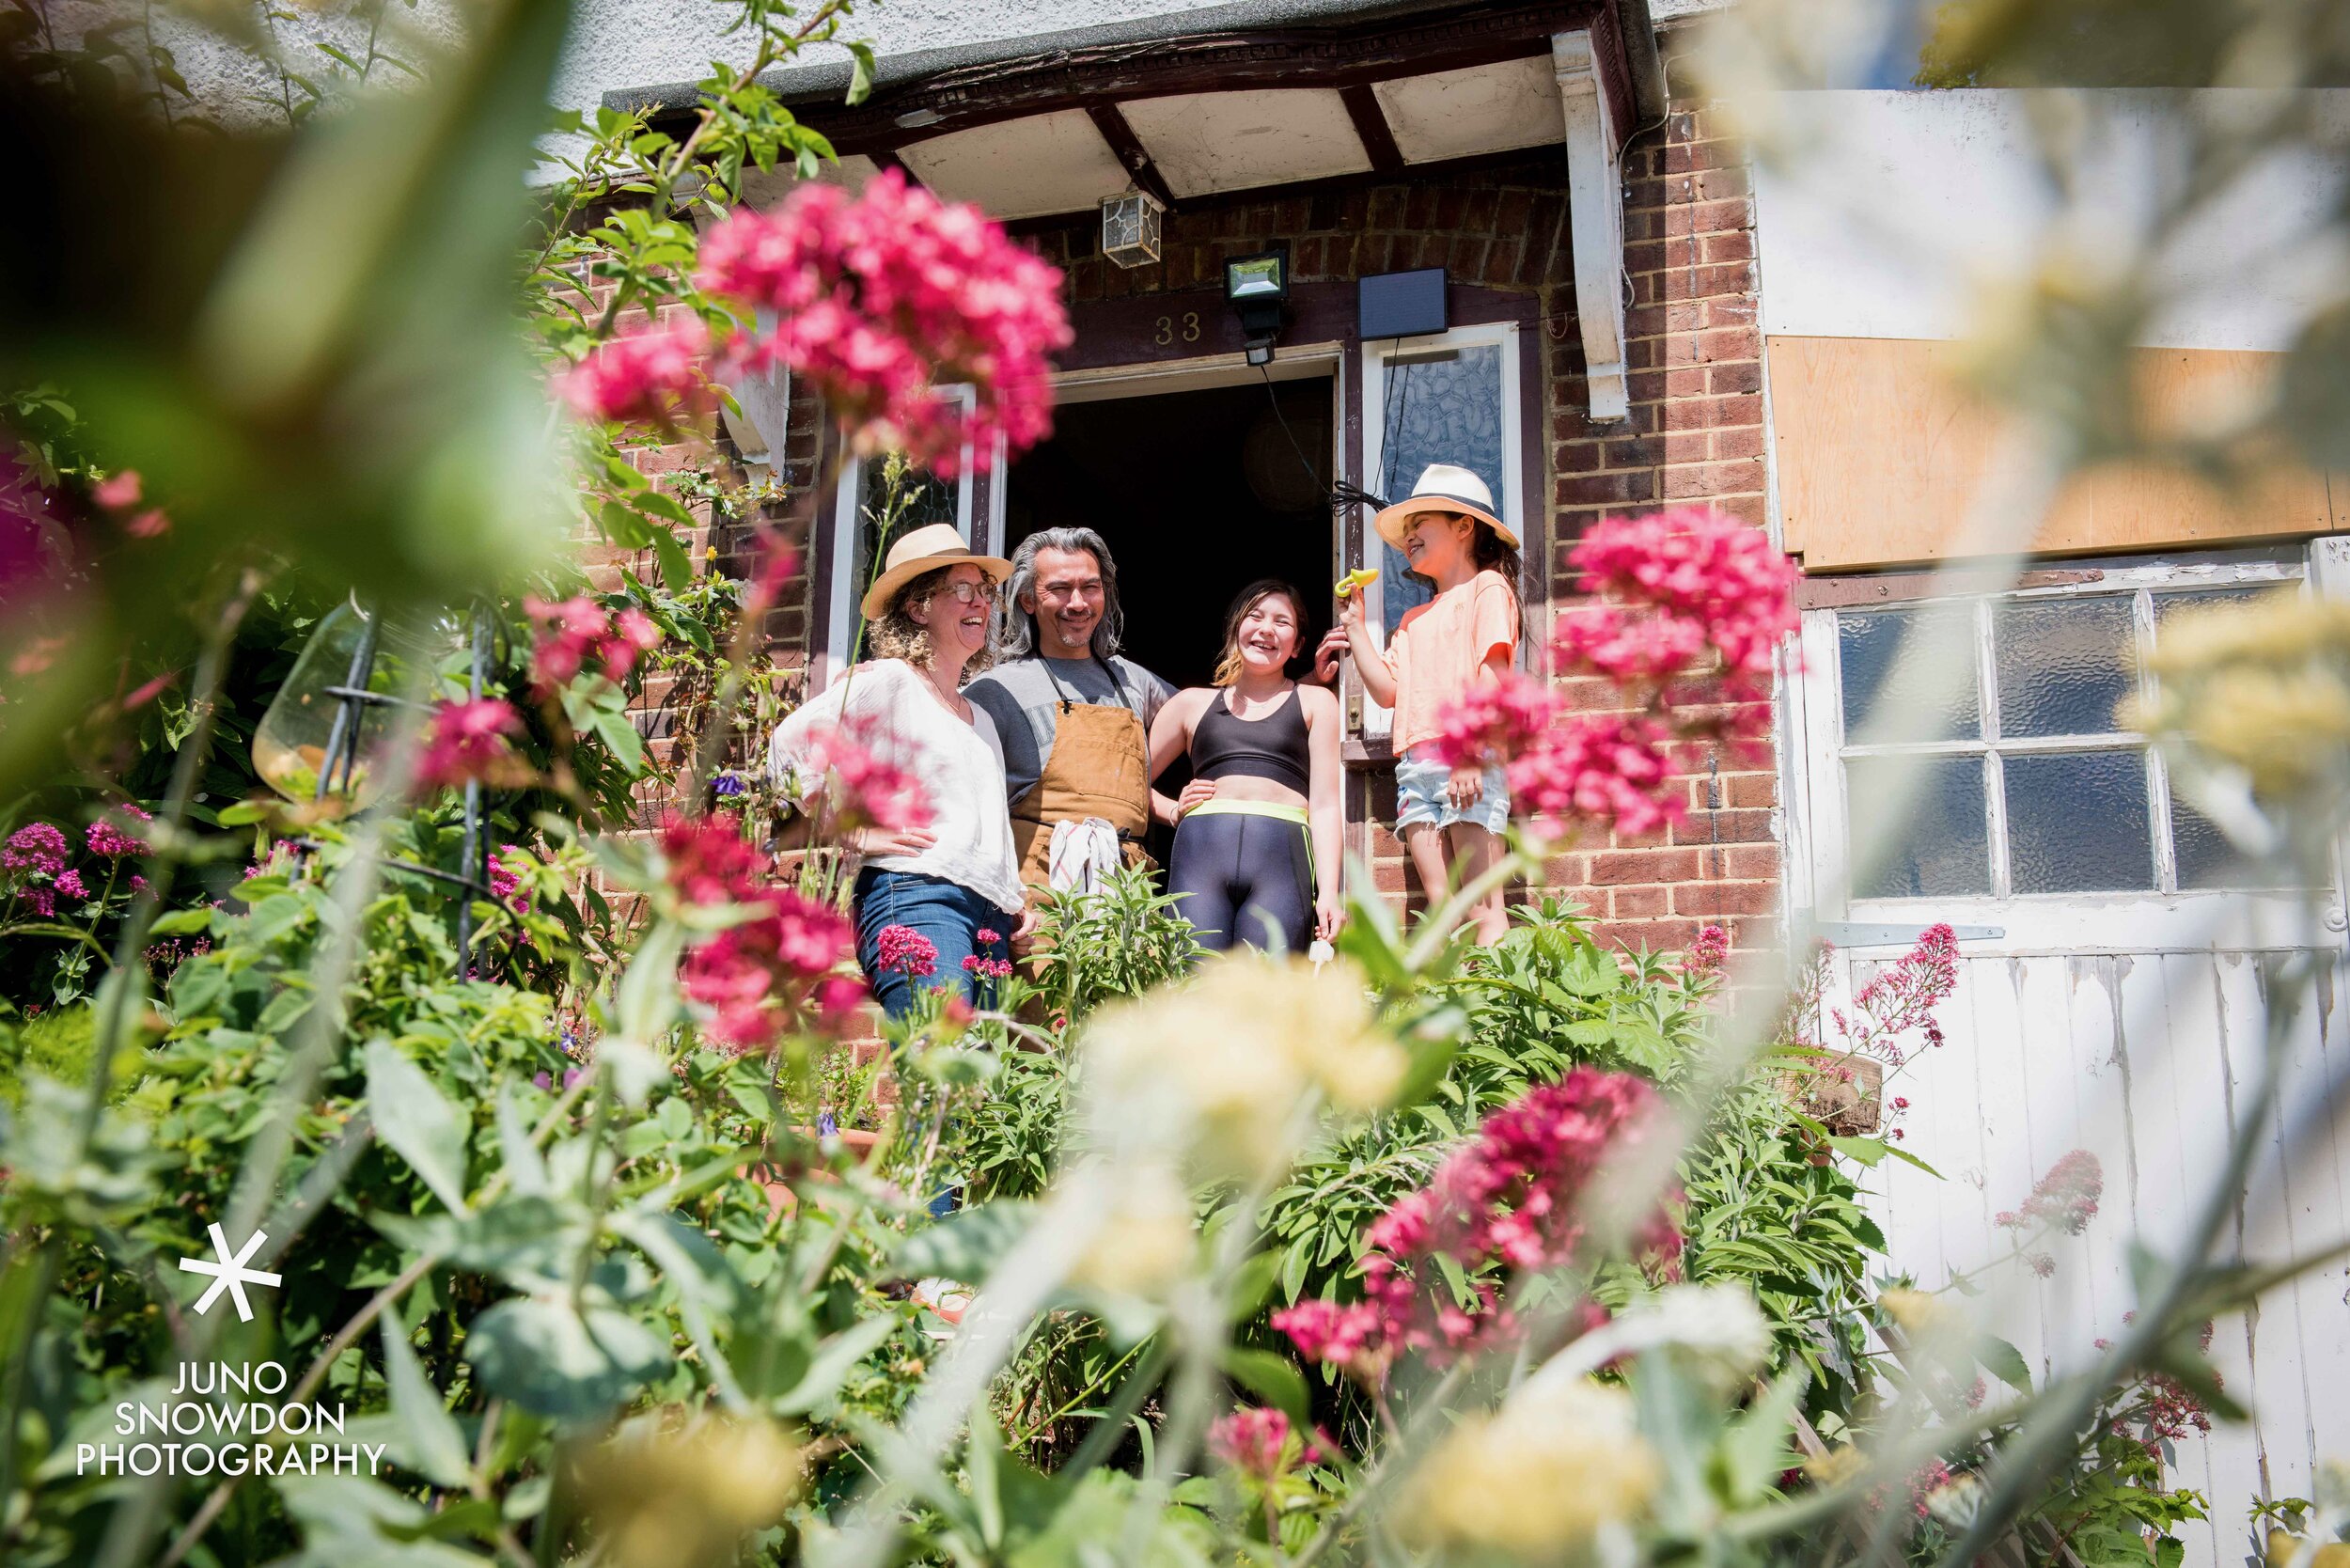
x=1121, y=942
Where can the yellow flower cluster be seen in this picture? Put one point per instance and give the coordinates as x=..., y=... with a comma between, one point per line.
x=2263, y=687
x=1556, y=1464
x=676, y=1497
x=1222, y=1065
x=1147, y=1242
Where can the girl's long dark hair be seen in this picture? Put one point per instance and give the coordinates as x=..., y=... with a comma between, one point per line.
x=1490, y=555
x=1228, y=661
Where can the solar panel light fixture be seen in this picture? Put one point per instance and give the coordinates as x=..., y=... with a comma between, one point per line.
x=1257, y=289
x=1130, y=229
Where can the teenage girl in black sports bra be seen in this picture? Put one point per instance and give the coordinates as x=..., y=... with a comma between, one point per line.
x=1255, y=856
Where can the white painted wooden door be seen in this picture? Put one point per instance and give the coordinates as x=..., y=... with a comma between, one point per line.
x=2116, y=966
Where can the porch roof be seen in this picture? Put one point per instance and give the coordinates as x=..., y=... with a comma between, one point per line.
x=1250, y=95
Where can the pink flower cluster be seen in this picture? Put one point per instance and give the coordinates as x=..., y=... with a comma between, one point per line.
x=35, y=858
x=1704, y=581
x=1708, y=955
x=1510, y=1198
x=2065, y=1199
x=1256, y=1441
x=119, y=493
x=506, y=884
x=882, y=296
x=579, y=634
x=864, y=790
x=468, y=740
x=749, y=974
x=905, y=951
x=650, y=375
x=1688, y=584
x=981, y=967
x=1902, y=996
x=107, y=834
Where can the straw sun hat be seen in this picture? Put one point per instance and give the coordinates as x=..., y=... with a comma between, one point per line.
x=1444, y=487
x=926, y=550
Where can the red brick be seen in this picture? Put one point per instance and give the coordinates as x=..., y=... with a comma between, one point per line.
x=1751, y=861
x=1639, y=902
x=1712, y=478
x=1612, y=868
x=1709, y=899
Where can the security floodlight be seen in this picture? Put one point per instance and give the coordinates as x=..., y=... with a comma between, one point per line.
x=1257, y=289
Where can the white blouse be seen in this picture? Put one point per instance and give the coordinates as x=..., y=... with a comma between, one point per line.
x=896, y=714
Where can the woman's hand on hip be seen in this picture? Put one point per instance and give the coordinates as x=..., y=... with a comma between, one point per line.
x=1022, y=932
x=1197, y=792
x=871, y=842
x=1467, y=786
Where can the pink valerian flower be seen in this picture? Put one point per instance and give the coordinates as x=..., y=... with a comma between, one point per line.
x=646, y=376
x=882, y=296
x=107, y=836
x=468, y=740
x=506, y=883
x=1702, y=579
x=1510, y=1199
x=906, y=951
x=37, y=848
x=863, y=788
x=1611, y=768
x=746, y=973
x=2065, y=1199
x=70, y=884
x=1902, y=996
x=984, y=967
x=578, y=633
x=1255, y=1441
x=1708, y=955
x=757, y=975
x=838, y=1000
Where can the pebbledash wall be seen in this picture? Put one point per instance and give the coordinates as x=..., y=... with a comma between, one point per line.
x=1695, y=434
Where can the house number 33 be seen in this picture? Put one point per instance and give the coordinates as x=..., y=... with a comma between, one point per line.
x=1186, y=327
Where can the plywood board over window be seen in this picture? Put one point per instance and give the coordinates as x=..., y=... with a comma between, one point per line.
x=1881, y=451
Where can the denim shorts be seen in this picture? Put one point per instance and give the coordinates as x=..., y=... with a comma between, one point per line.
x=1419, y=795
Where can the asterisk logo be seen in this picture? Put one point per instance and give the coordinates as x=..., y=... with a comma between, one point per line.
x=230, y=1274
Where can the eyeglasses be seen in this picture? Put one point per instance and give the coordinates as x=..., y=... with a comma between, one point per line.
x=968, y=593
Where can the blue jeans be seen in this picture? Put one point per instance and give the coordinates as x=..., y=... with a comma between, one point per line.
x=949, y=916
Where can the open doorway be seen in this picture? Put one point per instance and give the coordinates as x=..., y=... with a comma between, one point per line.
x=1197, y=493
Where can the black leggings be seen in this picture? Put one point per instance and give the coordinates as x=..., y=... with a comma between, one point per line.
x=1258, y=869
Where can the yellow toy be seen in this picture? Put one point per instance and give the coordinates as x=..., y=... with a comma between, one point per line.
x=1352, y=580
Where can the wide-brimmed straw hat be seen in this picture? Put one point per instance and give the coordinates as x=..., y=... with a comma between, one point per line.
x=926, y=550
x=1444, y=487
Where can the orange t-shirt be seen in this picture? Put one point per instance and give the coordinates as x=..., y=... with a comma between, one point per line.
x=1439, y=647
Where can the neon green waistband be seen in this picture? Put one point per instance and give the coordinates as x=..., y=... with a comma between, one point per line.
x=1250, y=809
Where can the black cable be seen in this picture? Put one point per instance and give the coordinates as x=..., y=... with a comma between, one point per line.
x=1341, y=495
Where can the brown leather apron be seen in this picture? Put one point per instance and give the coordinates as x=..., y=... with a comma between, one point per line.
x=1099, y=767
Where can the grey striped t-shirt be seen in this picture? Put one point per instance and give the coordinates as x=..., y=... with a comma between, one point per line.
x=1022, y=700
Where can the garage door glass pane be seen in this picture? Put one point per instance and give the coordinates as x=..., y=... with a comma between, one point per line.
x=1868, y=642
x=2078, y=822
x=1942, y=845
x=2064, y=664
x=2205, y=857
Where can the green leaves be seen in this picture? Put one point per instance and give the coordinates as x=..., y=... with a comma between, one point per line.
x=567, y=1363
x=964, y=1245
x=1272, y=1378
x=417, y=1123
x=428, y=1440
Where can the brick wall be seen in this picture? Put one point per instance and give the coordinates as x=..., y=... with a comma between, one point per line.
x=1695, y=433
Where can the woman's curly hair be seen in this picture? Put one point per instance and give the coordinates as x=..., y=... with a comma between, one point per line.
x=899, y=635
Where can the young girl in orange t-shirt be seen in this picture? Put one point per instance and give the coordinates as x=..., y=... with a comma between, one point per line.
x=1447, y=817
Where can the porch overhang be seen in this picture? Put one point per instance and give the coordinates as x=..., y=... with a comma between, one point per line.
x=1264, y=96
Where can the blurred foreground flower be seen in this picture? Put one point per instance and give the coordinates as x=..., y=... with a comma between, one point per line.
x=1555, y=1467
x=2254, y=706
x=579, y=634
x=647, y=376
x=684, y=1498
x=1146, y=1242
x=468, y=740
x=883, y=296
x=1219, y=1067
x=757, y=975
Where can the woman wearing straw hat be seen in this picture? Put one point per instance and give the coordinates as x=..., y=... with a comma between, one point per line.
x=955, y=881
x=1448, y=816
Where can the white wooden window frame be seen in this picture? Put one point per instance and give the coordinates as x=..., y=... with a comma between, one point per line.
x=2036, y=920
x=840, y=540
x=1379, y=721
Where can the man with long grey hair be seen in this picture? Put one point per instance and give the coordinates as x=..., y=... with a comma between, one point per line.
x=1073, y=716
